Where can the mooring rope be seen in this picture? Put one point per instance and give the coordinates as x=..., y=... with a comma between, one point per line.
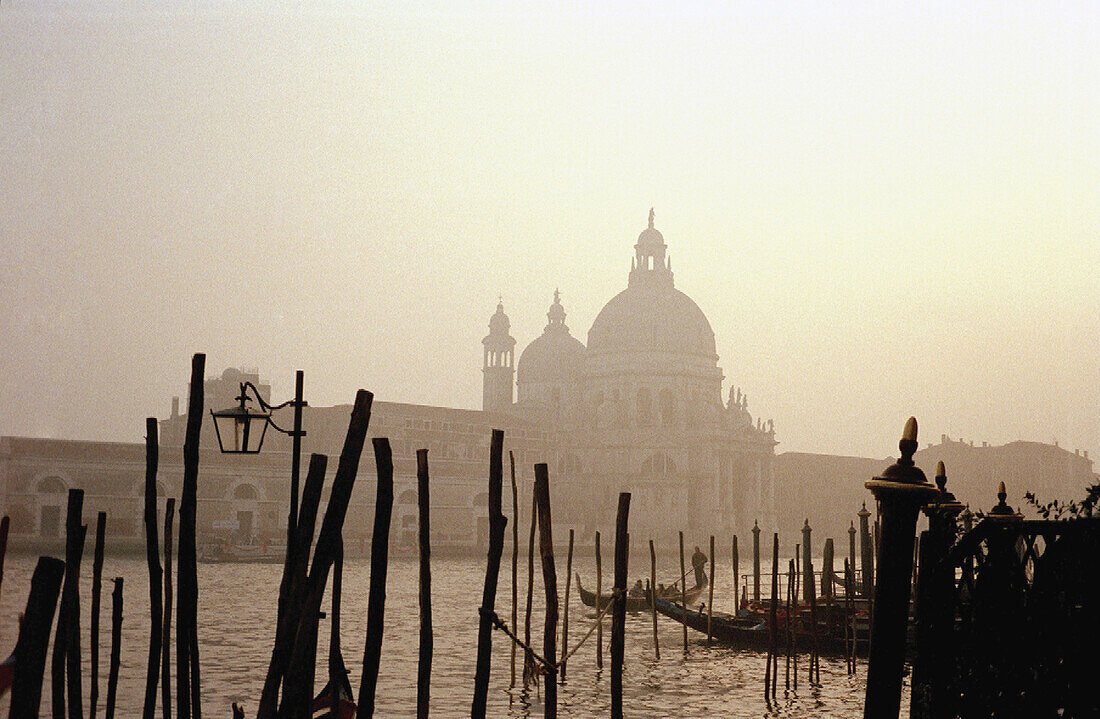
x=547, y=666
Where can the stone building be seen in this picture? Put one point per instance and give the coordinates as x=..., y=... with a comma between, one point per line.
x=638, y=408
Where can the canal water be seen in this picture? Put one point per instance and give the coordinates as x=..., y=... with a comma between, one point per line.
x=236, y=630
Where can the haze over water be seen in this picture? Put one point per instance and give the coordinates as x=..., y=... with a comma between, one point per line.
x=884, y=210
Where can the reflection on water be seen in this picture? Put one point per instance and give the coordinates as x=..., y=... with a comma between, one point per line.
x=236, y=630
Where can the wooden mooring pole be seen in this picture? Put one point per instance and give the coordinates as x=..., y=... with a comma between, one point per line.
x=379, y=565
x=736, y=577
x=618, y=618
x=710, y=596
x=550, y=584
x=65, y=663
x=97, y=593
x=497, y=525
x=599, y=605
x=166, y=632
x=116, y=647
x=565, y=612
x=515, y=561
x=529, y=666
x=187, y=663
x=423, y=532
x=683, y=592
x=152, y=561
x=34, y=638
x=653, y=596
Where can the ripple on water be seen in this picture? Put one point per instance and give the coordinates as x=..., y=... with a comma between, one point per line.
x=237, y=615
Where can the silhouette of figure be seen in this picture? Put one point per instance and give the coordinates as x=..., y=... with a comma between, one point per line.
x=699, y=563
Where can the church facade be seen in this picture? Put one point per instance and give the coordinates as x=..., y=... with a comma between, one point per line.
x=639, y=407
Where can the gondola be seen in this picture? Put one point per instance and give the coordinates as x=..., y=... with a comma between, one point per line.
x=751, y=630
x=639, y=602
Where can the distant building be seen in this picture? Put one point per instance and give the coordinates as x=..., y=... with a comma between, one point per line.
x=639, y=409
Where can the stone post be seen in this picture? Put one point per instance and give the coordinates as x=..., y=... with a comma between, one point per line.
x=901, y=491
x=756, y=561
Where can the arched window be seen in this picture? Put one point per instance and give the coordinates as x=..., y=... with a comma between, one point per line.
x=668, y=407
x=645, y=407
x=245, y=491
x=51, y=485
x=407, y=497
x=482, y=500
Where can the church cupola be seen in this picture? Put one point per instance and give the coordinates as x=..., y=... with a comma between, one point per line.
x=650, y=265
x=499, y=363
x=556, y=314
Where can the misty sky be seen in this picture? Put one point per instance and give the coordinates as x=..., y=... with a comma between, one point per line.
x=883, y=212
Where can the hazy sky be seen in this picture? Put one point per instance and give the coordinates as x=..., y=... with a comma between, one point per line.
x=883, y=211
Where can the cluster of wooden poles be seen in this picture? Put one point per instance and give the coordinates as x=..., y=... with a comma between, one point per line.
x=288, y=689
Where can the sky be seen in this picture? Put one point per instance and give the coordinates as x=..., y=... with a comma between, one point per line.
x=884, y=210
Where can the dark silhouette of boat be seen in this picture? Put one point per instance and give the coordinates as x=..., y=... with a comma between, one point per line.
x=750, y=631
x=639, y=601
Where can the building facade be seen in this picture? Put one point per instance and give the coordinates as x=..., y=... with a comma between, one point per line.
x=637, y=408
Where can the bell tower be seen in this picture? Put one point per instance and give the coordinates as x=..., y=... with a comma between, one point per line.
x=499, y=363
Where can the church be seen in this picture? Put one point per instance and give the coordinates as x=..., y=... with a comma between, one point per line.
x=639, y=408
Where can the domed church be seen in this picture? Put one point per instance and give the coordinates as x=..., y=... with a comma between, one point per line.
x=639, y=408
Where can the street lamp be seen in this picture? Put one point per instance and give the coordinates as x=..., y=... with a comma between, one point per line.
x=241, y=430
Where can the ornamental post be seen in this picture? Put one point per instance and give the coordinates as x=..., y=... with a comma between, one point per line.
x=900, y=492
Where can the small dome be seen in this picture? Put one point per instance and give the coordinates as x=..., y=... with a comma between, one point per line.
x=499, y=339
x=651, y=235
x=554, y=356
x=499, y=322
x=652, y=318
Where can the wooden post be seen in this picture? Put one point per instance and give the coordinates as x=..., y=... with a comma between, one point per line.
x=337, y=672
x=550, y=583
x=653, y=596
x=298, y=685
x=424, y=663
x=736, y=576
x=528, y=661
x=497, y=524
x=288, y=620
x=565, y=612
x=618, y=619
x=515, y=561
x=710, y=595
x=849, y=637
x=65, y=663
x=774, y=611
x=187, y=670
x=789, y=633
x=34, y=638
x=97, y=591
x=166, y=634
x=755, y=561
x=827, y=570
x=116, y=647
x=379, y=563
x=683, y=592
x=807, y=549
x=3, y=545
x=152, y=560
x=815, y=667
x=599, y=605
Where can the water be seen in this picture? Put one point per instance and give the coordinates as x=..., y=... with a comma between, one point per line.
x=236, y=630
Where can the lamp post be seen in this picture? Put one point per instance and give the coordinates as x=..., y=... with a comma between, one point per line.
x=241, y=430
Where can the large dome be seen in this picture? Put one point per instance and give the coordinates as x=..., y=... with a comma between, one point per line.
x=652, y=317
